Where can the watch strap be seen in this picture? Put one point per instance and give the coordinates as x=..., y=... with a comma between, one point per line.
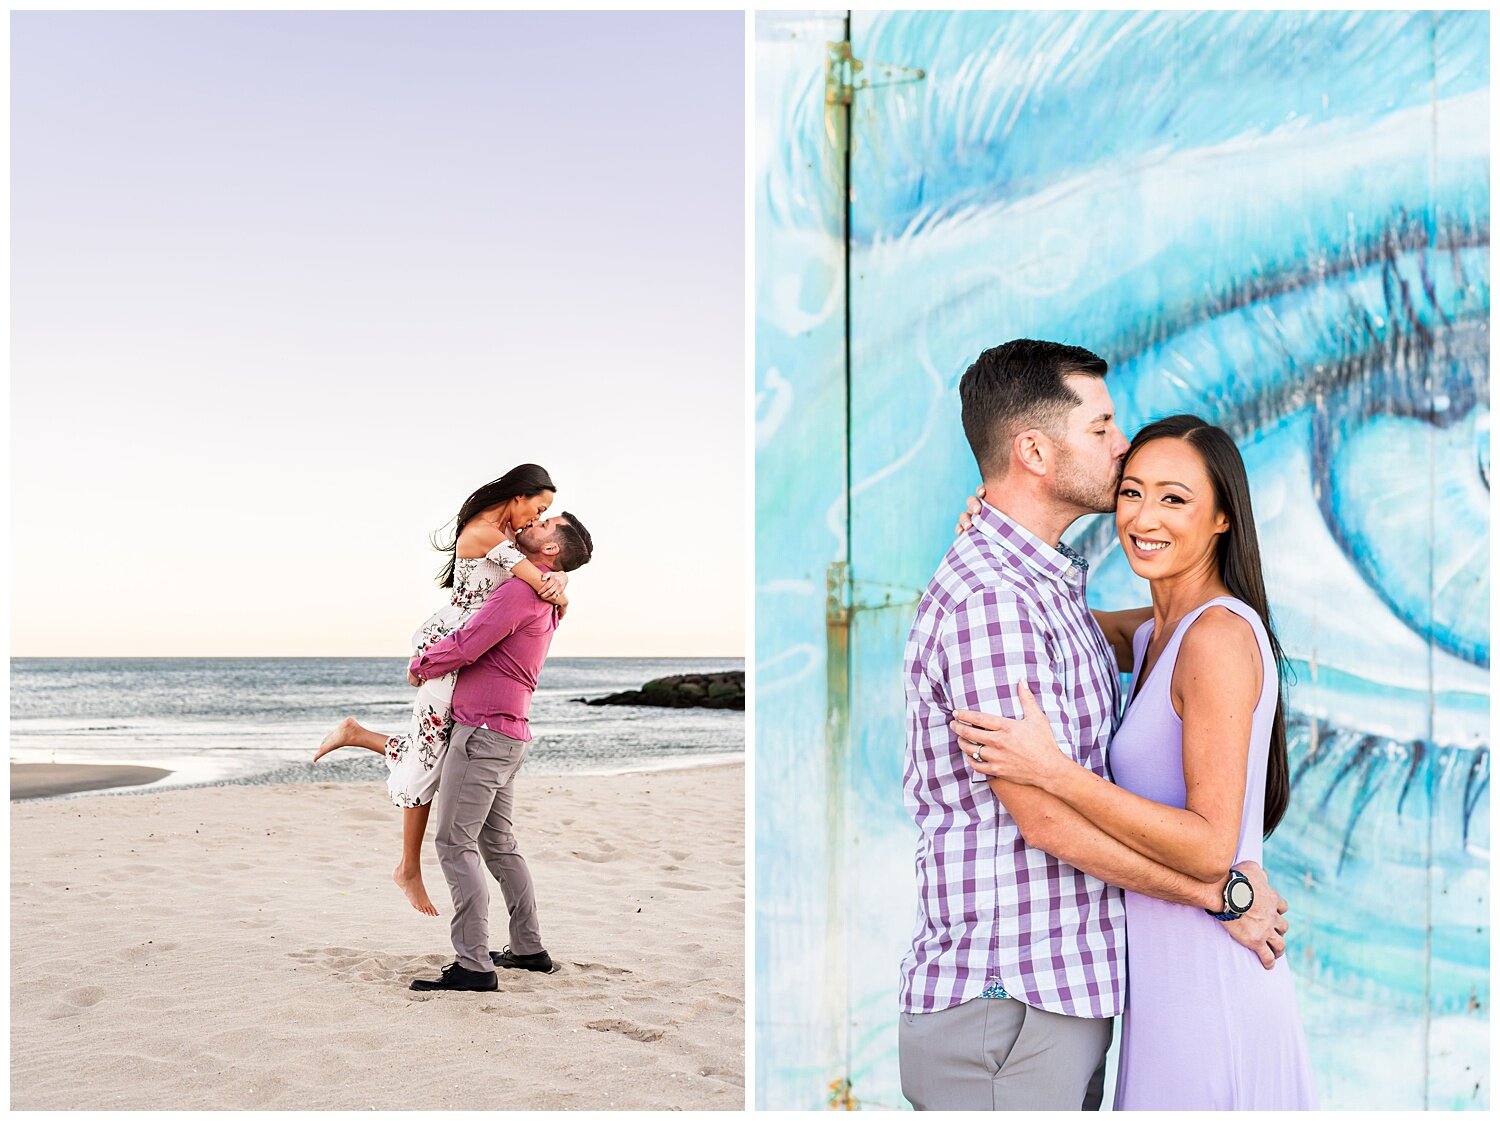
x=1229, y=914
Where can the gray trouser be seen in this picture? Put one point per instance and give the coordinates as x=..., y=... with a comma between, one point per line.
x=999, y=1054
x=473, y=820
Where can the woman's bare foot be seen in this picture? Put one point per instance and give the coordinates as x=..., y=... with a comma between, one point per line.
x=411, y=884
x=342, y=736
x=351, y=733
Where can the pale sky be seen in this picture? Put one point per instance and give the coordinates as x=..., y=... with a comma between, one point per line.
x=286, y=287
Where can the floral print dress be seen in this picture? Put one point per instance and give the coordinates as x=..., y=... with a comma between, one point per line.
x=414, y=757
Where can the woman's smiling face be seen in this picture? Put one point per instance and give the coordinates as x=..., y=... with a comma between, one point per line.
x=1167, y=513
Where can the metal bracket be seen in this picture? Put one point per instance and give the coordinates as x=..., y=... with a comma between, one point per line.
x=839, y=591
x=874, y=596
x=846, y=75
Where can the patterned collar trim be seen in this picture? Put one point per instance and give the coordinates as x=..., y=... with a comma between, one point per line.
x=1013, y=538
x=1077, y=560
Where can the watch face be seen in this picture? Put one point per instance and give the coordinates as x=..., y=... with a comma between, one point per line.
x=1241, y=895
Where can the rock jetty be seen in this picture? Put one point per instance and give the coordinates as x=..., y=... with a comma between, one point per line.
x=685, y=690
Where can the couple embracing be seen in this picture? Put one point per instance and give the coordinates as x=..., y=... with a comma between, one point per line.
x=469, y=730
x=1051, y=817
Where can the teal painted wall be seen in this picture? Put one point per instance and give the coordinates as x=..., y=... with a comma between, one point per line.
x=1277, y=220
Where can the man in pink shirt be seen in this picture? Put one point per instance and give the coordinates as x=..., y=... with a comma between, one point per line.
x=501, y=651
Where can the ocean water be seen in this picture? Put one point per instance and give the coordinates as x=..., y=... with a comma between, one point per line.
x=259, y=719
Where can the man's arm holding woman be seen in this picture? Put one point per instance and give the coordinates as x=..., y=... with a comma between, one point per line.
x=978, y=670
x=506, y=611
x=501, y=556
x=1215, y=687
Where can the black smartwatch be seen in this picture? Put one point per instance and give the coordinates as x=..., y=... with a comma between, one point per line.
x=1239, y=897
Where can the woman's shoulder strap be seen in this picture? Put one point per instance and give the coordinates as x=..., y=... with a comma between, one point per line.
x=1240, y=608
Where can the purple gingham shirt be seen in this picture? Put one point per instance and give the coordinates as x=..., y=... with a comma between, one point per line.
x=991, y=910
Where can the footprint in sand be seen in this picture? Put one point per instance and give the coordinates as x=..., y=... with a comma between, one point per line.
x=683, y=886
x=85, y=997
x=733, y=1077
x=146, y=950
x=323, y=953
x=602, y=855
x=595, y=967
x=348, y=964
x=625, y=1027
x=74, y=1001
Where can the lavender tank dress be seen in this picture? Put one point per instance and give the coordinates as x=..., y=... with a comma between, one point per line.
x=1206, y=1025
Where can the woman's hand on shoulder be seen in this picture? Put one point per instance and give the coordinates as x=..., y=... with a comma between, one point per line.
x=971, y=511
x=552, y=587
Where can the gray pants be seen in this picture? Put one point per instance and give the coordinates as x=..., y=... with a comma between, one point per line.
x=999, y=1054
x=473, y=809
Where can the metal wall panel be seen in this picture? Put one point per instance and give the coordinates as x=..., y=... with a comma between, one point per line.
x=800, y=472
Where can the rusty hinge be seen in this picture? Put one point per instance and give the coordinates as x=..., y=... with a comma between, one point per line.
x=846, y=75
x=839, y=593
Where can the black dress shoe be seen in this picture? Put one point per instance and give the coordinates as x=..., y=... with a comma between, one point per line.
x=458, y=979
x=538, y=962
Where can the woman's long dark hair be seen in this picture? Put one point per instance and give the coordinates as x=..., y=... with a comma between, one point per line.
x=525, y=481
x=1239, y=568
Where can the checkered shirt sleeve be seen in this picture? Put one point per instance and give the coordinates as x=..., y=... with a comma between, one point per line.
x=985, y=647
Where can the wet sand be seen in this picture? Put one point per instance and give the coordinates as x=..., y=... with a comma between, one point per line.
x=45, y=780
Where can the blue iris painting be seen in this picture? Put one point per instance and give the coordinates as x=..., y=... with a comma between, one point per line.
x=1278, y=221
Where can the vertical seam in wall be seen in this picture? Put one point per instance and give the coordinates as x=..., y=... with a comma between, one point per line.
x=848, y=590
x=1432, y=245
x=848, y=314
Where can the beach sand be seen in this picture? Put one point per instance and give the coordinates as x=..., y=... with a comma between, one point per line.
x=242, y=947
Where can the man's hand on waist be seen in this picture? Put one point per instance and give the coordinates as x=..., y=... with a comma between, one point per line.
x=1262, y=929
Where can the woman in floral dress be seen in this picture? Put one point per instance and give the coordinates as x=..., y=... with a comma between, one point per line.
x=481, y=556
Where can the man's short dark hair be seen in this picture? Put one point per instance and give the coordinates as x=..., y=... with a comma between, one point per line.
x=576, y=547
x=1016, y=386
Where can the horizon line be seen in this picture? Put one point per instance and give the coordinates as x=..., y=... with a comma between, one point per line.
x=390, y=657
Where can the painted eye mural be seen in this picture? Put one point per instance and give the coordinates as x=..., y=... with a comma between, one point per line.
x=1278, y=221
